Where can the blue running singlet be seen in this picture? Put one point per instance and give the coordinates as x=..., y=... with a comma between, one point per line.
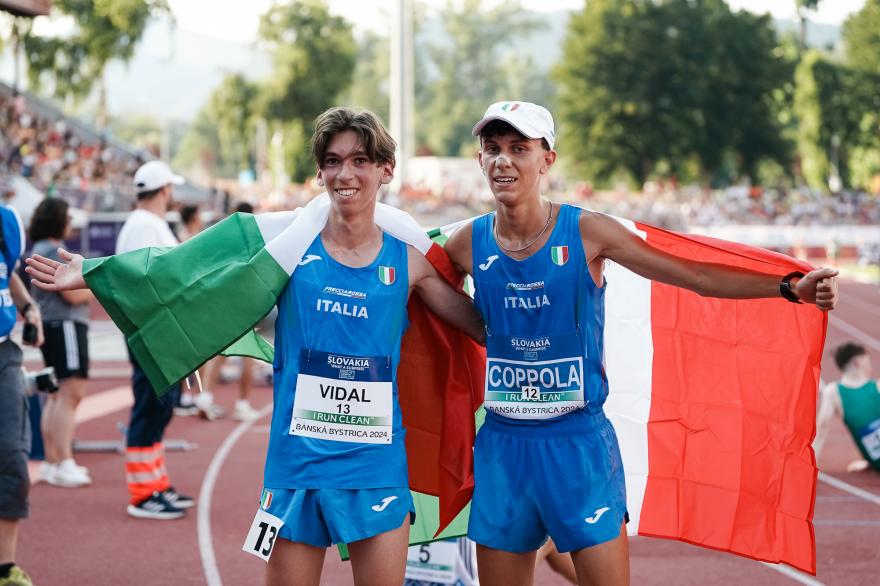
x=546, y=461
x=336, y=420
x=545, y=319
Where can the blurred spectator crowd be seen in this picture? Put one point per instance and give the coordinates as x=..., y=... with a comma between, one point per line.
x=667, y=206
x=679, y=208
x=60, y=159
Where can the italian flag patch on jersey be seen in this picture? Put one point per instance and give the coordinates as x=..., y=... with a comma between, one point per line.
x=559, y=254
x=386, y=275
x=266, y=501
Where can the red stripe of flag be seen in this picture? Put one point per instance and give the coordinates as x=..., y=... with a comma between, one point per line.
x=733, y=412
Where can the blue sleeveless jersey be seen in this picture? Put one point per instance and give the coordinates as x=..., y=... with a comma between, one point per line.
x=548, y=299
x=12, y=249
x=326, y=308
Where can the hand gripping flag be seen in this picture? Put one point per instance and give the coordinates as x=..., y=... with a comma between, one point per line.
x=713, y=400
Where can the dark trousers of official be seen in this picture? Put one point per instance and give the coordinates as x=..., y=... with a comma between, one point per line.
x=150, y=414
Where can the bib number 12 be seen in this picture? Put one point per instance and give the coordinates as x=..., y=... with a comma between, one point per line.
x=261, y=537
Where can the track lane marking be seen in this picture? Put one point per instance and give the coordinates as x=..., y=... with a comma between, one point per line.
x=794, y=574
x=203, y=523
x=863, y=305
x=855, y=332
x=846, y=487
x=100, y=404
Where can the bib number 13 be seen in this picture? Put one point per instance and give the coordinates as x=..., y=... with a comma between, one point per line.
x=261, y=537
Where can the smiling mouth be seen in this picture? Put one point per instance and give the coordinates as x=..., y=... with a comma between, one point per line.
x=505, y=180
x=346, y=191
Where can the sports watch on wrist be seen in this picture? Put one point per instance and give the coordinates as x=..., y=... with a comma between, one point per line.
x=786, y=289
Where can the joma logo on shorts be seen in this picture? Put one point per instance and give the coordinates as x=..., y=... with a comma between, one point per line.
x=597, y=515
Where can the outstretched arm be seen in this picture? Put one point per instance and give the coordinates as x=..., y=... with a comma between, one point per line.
x=453, y=307
x=51, y=275
x=609, y=239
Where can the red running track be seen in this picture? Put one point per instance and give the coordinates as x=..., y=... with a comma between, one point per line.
x=83, y=536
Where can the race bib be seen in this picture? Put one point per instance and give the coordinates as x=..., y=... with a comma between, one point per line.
x=534, y=378
x=261, y=538
x=343, y=398
x=432, y=562
x=870, y=439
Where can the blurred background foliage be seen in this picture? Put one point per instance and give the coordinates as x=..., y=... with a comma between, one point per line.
x=641, y=89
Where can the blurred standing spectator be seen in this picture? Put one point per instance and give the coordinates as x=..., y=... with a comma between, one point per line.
x=190, y=222
x=152, y=496
x=14, y=424
x=66, y=349
x=855, y=398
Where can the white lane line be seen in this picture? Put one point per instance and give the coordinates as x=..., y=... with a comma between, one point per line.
x=846, y=487
x=794, y=574
x=869, y=307
x=103, y=403
x=855, y=332
x=203, y=525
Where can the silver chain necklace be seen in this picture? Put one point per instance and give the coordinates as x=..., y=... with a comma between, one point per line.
x=535, y=239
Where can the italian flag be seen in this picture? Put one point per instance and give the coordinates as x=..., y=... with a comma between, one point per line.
x=713, y=400
x=714, y=404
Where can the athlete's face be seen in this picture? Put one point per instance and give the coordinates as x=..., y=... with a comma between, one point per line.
x=514, y=165
x=862, y=365
x=351, y=178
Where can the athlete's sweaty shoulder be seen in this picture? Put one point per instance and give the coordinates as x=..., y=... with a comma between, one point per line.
x=460, y=249
x=599, y=233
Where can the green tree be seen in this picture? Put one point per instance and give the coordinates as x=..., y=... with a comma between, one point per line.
x=467, y=76
x=646, y=86
x=221, y=138
x=105, y=30
x=861, y=37
x=314, y=56
x=837, y=107
x=369, y=83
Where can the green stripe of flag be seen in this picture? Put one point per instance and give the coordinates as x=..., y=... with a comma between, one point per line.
x=167, y=300
x=252, y=345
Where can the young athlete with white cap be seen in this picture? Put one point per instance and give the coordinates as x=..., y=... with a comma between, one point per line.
x=548, y=463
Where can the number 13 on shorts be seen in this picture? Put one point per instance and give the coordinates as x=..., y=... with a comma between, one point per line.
x=261, y=538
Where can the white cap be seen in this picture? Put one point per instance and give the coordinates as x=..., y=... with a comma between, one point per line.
x=154, y=175
x=532, y=120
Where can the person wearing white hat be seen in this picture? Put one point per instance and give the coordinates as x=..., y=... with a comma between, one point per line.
x=546, y=460
x=152, y=495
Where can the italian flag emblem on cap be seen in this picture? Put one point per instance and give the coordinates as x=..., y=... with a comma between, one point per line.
x=266, y=500
x=386, y=275
x=559, y=254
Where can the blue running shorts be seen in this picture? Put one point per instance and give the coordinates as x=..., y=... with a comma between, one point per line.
x=565, y=481
x=324, y=516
